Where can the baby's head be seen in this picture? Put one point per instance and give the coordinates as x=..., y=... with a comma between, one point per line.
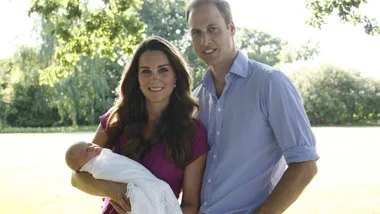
x=80, y=153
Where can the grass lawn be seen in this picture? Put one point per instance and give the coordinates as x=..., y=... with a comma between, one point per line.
x=35, y=178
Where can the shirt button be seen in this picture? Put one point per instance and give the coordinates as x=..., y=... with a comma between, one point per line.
x=205, y=203
x=219, y=109
x=214, y=156
x=218, y=133
x=209, y=180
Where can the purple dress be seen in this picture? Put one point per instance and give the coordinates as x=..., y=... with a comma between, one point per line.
x=156, y=162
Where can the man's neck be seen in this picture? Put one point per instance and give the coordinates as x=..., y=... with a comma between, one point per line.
x=220, y=70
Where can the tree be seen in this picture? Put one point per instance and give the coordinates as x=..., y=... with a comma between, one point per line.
x=5, y=75
x=80, y=31
x=164, y=18
x=84, y=93
x=347, y=10
x=259, y=46
x=334, y=96
x=270, y=50
x=28, y=103
x=304, y=52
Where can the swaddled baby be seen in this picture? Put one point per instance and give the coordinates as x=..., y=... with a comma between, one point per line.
x=147, y=194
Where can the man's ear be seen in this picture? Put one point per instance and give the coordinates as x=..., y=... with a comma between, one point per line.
x=232, y=28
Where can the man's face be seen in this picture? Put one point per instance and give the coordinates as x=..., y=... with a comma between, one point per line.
x=211, y=36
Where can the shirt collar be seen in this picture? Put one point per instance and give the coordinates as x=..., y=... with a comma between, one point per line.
x=239, y=67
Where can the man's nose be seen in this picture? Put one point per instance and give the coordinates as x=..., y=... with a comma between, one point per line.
x=205, y=39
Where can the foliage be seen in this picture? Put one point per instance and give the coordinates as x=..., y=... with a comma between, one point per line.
x=81, y=91
x=259, y=46
x=80, y=31
x=306, y=51
x=334, y=96
x=265, y=48
x=165, y=18
x=5, y=90
x=347, y=11
x=26, y=103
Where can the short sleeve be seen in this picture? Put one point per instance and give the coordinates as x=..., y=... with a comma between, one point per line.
x=288, y=119
x=104, y=118
x=199, y=142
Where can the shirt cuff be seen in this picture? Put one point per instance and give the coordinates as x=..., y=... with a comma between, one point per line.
x=301, y=154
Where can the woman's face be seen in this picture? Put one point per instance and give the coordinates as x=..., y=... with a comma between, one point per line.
x=156, y=77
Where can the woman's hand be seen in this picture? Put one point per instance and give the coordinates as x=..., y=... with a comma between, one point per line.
x=116, y=192
x=123, y=206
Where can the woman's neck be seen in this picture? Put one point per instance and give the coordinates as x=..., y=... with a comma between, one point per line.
x=155, y=110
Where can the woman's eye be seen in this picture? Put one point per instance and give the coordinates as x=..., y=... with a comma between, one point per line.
x=145, y=71
x=163, y=70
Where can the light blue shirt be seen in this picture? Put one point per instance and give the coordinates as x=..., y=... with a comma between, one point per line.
x=255, y=127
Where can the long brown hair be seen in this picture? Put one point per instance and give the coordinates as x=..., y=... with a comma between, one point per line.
x=176, y=125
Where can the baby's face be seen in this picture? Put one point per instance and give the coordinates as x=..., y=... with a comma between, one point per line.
x=86, y=152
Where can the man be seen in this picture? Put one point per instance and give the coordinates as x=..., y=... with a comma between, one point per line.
x=255, y=120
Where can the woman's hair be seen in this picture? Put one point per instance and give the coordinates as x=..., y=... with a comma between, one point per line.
x=176, y=125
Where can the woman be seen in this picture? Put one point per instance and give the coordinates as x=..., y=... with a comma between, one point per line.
x=152, y=122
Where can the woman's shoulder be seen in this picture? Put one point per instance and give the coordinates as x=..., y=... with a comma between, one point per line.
x=198, y=123
x=104, y=118
x=200, y=134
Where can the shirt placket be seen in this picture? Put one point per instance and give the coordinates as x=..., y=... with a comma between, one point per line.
x=212, y=162
x=218, y=109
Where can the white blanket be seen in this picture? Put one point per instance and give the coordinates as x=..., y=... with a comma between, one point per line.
x=146, y=193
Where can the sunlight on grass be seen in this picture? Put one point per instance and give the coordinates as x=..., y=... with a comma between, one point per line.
x=38, y=181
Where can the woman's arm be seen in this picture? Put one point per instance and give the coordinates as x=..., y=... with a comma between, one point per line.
x=100, y=137
x=86, y=183
x=192, y=182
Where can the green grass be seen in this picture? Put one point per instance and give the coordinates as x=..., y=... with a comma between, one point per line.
x=64, y=129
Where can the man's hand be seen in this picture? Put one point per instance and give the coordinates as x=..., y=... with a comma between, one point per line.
x=123, y=206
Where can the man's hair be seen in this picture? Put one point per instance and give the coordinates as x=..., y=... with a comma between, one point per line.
x=222, y=5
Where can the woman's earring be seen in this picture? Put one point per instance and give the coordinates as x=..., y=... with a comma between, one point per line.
x=175, y=85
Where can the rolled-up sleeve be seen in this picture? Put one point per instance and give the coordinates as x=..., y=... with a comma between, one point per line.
x=288, y=119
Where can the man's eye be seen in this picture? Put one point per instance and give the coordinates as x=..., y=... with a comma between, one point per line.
x=194, y=33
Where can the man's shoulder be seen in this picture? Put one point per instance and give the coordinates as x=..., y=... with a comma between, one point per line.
x=198, y=90
x=260, y=68
x=264, y=72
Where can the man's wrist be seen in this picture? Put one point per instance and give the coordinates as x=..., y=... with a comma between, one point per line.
x=264, y=210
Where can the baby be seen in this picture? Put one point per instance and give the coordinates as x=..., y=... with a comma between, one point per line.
x=147, y=194
x=78, y=154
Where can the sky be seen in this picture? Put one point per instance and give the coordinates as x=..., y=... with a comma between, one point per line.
x=340, y=44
